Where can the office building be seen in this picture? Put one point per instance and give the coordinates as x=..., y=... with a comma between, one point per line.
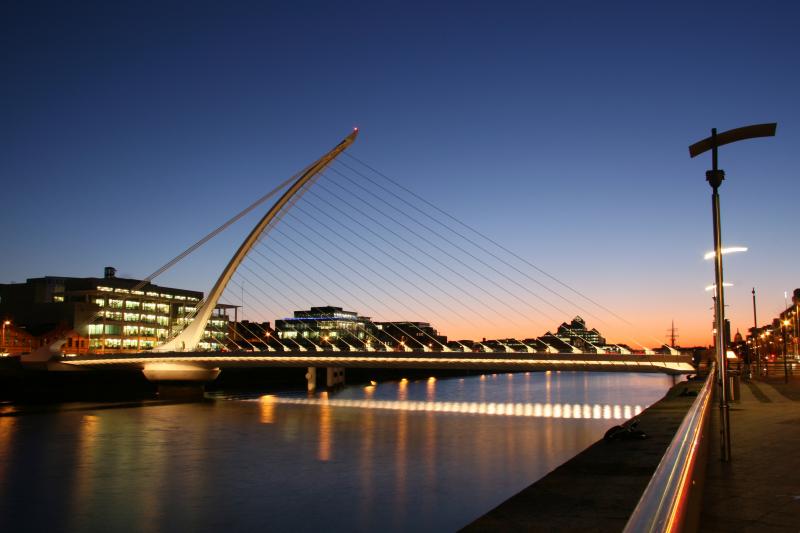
x=110, y=314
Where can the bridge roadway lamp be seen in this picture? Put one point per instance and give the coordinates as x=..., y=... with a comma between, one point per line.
x=714, y=178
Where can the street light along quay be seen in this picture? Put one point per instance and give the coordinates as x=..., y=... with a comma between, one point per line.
x=727, y=250
x=714, y=178
x=3, y=349
x=714, y=287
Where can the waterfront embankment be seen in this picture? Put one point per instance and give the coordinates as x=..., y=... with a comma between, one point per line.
x=599, y=488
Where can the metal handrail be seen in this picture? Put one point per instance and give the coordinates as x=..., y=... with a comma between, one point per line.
x=663, y=505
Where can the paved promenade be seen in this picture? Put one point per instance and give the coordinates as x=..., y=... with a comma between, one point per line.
x=759, y=490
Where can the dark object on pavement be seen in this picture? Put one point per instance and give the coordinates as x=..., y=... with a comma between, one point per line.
x=626, y=431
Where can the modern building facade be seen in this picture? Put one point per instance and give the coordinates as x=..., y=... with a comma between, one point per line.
x=325, y=327
x=576, y=334
x=112, y=314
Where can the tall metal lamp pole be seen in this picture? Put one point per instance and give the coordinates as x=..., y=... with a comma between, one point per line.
x=715, y=176
x=755, y=336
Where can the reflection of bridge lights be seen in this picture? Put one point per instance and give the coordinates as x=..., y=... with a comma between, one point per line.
x=536, y=410
x=430, y=389
x=267, y=404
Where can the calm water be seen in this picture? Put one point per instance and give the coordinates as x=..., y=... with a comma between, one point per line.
x=420, y=455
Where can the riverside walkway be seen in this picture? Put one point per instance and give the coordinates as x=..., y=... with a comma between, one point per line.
x=759, y=490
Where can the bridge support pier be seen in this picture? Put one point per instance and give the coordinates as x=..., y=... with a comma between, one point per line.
x=324, y=378
x=180, y=381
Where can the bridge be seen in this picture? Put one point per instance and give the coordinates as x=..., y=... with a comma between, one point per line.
x=326, y=369
x=402, y=252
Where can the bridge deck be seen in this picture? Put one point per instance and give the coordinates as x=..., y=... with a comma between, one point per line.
x=670, y=364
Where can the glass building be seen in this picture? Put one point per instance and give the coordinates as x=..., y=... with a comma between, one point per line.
x=576, y=334
x=113, y=314
x=325, y=326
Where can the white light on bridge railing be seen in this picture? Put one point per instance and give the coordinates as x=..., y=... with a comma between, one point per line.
x=727, y=250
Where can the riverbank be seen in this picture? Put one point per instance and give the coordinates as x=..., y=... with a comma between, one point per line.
x=598, y=489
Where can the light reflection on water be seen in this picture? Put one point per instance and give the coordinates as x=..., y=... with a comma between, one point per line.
x=394, y=456
x=538, y=410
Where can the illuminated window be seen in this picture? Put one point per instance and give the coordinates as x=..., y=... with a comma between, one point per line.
x=124, y=291
x=149, y=306
x=105, y=289
x=131, y=317
x=100, y=302
x=58, y=298
x=138, y=292
x=114, y=315
x=132, y=304
x=115, y=303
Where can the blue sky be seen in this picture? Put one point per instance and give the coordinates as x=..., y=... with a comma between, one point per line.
x=129, y=130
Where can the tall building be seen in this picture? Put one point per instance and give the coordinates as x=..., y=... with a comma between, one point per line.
x=112, y=314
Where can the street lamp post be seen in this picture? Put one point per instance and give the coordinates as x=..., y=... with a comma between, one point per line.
x=755, y=335
x=715, y=176
x=784, y=326
x=5, y=323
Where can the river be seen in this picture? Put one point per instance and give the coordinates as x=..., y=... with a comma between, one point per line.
x=425, y=455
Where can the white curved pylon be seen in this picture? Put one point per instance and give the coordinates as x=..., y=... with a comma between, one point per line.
x=191, y=335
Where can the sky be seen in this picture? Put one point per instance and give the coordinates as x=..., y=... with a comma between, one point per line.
x=128, y=130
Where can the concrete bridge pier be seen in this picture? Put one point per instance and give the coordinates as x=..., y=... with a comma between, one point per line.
x=324, y=378
x=180, y=381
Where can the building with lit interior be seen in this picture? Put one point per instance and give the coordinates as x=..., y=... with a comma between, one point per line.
x=325, y=326
x=107, y=314
x=576, y=334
